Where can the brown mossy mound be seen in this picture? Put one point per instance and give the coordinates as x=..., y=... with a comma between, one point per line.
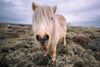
x=81, y=40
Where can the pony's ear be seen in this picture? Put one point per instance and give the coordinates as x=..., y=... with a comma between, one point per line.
x=54, y=8
x=34, y=6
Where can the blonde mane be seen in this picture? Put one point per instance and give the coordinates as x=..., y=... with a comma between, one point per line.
x=43, y=13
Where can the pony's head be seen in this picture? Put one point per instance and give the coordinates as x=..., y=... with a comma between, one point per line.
x=43, y=23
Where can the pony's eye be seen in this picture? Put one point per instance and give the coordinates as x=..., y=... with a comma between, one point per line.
x=51, y=18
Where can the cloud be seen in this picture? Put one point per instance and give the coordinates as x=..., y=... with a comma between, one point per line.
x=82, y=11
x=77, y=12
x=15, y=11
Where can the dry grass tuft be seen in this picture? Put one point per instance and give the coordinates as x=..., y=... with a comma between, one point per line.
x=81, y=40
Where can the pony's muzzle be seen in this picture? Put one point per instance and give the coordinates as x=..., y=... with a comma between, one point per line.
x=43, y=40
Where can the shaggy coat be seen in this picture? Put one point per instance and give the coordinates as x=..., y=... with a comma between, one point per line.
x=48, y=28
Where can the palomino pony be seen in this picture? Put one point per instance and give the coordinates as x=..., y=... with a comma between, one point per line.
x=48, y=28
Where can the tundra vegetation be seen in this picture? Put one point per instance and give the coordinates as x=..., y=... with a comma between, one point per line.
x=18, y=49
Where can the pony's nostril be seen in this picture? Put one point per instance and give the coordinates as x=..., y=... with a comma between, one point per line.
x=42, y=40
x=38, y=37
x=46, y=37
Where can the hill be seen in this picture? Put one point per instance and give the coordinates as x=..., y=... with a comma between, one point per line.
x=18, y=49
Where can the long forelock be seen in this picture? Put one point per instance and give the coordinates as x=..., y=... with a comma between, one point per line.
x=43, y=13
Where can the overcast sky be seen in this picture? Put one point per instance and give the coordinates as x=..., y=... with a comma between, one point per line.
x=76, y=12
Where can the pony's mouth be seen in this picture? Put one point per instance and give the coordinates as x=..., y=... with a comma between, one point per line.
x=43, y=43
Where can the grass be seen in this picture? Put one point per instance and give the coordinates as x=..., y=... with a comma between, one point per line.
x=18, y=49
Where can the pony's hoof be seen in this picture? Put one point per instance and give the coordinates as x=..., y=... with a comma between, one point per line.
x=64, y=44
x=44, y=55
x=53, y=62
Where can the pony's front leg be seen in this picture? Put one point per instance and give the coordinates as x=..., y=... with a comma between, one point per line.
x=45, y=50
x=53, y=54
x=64, y=40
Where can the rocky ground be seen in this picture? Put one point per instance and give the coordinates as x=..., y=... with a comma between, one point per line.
x=18, y=49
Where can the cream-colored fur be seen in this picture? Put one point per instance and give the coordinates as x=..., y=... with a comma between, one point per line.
x=45, y=21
